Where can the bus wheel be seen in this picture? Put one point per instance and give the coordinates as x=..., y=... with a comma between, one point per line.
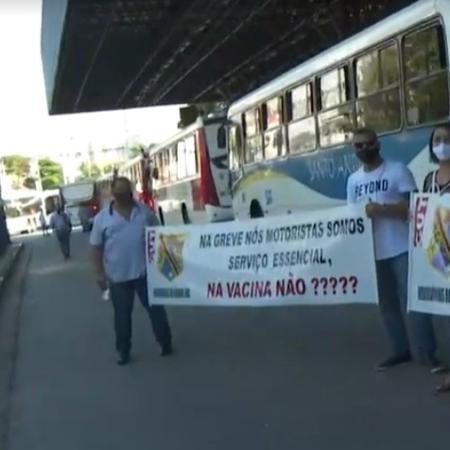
x=161, y=215
x=255, y=209
x=185, y=214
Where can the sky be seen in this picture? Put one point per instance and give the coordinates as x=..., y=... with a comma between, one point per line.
x=25, y=124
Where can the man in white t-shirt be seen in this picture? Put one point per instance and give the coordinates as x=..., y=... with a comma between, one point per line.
x=384, y=186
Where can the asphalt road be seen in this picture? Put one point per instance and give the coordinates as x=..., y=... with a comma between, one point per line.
x=293, y=378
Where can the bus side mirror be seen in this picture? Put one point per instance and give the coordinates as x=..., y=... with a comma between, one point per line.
x=155, y=173
x=221, y=137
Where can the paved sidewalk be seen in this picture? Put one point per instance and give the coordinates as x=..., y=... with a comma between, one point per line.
x=7, y=261
x=251, y=379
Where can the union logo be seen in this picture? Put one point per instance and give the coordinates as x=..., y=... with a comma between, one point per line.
x=170, y=255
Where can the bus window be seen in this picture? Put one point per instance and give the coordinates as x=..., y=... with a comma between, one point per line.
x=334, y=88
x=302, y=126
x=159, y=168
x=426, y=79
x=235, y=147
x=336, y=118
x=302, y=135
x=273, y=113
x=253, y=142
x=173, y=164
x=165, y=166
x=139, y=174
x=221, y=137
x=378, y=90
x=191, y=157
x=181, y=160
x=273, y=136
x=300, y=102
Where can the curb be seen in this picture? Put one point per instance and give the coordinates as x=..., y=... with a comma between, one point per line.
x=8, y=261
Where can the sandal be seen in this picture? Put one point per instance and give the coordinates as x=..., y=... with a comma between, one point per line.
x=444, y=386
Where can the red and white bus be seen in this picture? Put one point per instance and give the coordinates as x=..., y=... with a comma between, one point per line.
x=191, y=176
x=186, y=178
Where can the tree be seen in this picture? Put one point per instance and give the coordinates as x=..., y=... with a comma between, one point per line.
x=108, y=168
x=51, y=173
x=17, y=166
x=89, y=170
x=136, y=150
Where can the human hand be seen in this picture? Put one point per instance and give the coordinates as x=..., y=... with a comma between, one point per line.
x=101, y=282
x=374, y=209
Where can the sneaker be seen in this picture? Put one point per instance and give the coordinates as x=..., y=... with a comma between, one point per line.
x=436, y=367
x=124, y=358
x=166, y=351
x=394, y=361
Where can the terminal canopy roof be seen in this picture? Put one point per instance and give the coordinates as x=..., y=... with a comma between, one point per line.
x=111, y=54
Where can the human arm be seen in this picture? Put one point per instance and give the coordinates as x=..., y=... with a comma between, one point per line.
x=97, y=249
x=68, y=221
x=398, y=210
x=406, y=185
x=97, y=260
x=151, y=219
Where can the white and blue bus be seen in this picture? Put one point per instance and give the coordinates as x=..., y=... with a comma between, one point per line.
x=289, y=144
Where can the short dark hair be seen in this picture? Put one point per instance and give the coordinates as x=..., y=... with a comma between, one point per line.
x=433, y=157
x=368, y=131
x=118, y=180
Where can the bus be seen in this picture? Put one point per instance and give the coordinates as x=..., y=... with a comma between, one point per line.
x=22, y=213
x=186, y=178
x=80, y=200
x=289, y=140
x=191, y=176
x=137, y=170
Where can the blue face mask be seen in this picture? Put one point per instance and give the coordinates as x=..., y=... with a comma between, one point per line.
x=442, y=151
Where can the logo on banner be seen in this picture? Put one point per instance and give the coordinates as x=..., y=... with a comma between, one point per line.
x=419, y=219
x=437, y=245
x=151, y=247
x=170, y=255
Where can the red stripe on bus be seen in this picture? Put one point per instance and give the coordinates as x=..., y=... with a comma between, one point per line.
x=207, y=185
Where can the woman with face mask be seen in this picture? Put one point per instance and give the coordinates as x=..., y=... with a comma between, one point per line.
x=438, y=182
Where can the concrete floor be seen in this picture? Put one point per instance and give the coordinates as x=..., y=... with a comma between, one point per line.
x=253, y=379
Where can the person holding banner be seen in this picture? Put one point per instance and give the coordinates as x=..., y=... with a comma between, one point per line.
x=118, y=244
x=438, y=182
x=384, y=186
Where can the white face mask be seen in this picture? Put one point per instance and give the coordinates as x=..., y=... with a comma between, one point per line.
x=442, y=151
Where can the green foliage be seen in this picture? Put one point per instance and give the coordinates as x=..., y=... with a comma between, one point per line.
x=51, y=173
x=18, y=167
x=89, y=170
x=108, y=168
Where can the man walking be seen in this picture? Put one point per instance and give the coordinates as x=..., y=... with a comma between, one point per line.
x=43, y=223
x=118, y=243
x=384, y=186
x=62, y=227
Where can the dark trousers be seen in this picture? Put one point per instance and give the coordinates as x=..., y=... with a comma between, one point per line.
x=392, y=277
x=64, y=243
x=122, y=296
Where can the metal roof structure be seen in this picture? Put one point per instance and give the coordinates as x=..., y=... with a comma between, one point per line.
x=112, y=54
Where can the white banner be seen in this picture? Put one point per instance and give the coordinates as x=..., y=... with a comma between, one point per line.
x=429, y=254
x=316, y=258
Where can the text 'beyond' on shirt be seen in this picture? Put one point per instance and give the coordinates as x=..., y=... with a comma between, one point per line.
x=123, y=241
x=386, y=185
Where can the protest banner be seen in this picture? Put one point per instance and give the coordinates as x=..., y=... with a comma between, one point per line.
x=316, y=258
x=429, y=254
